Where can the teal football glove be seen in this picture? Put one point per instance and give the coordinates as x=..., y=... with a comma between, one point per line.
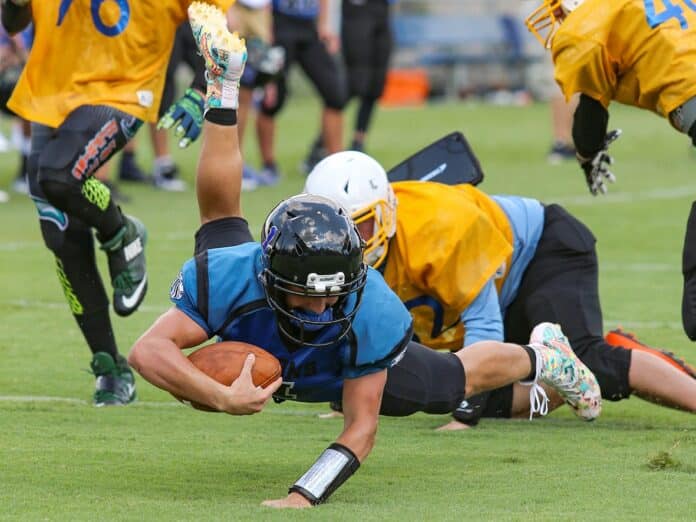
x=187, y=114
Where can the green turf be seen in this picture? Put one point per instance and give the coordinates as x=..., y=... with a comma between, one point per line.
x=156, y=460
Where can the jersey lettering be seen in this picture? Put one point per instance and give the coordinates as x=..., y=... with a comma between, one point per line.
x=285, y=391
x=671, y=10
x=437, y=309
x=108, y=30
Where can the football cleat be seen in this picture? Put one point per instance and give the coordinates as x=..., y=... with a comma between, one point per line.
x=115, y=385
x=560, y=368
x=224, y=54
x=268, y=176
x=627, y=340
x=560, y=152
x=126, y=253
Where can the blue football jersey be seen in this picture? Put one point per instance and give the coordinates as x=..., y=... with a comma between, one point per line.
x=221, y=291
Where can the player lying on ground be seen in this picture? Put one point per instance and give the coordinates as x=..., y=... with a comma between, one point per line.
x=305, y=295
x=471, y=267
x=635, y=52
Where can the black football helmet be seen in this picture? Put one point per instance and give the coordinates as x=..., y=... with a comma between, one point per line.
x=311, y=247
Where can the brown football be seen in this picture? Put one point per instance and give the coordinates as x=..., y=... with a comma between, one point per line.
x=223, y=362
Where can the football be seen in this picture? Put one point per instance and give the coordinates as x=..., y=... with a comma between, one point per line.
x=223, y=362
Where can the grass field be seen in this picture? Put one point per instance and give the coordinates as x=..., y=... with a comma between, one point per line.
x=61, y=459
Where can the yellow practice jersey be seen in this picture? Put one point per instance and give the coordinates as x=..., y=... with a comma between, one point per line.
x=636, y=52
x=98, y=52
x=450, y=240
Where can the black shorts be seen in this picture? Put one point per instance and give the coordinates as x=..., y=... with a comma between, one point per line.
x=301, y=42
x=85, y=141
x=221, y=233
x=560, y=286
x=423, y=380
x=366, y=42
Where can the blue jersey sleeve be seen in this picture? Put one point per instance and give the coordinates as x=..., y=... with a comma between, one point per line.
x=482, y=318
x=382, y=329
x=184, y=294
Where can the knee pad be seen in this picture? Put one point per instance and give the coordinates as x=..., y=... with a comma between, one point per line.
x=59, y=192
x=56, y=226
x=53, y=224
x=336, y=100
x=271, y=109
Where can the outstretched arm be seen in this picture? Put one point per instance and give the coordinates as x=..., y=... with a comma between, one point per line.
x=362, y=398
x=592, y=142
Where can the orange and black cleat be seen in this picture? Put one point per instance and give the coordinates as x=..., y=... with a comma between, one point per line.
x=628, y=340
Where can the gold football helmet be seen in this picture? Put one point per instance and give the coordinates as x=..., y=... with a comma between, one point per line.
x=543, y=21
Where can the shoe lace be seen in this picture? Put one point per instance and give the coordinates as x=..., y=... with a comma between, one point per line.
x=124, y=281
x=538, y=401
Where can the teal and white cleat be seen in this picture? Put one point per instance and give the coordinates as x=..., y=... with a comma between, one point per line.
x=224, y=54
x=560, y=368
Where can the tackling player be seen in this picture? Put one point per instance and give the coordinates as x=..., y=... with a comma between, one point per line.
x=94, y=74
x=470, y=267
x=305, y=295
x=635, y=52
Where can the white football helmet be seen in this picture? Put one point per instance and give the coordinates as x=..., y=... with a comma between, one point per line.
x=544, y=20
x=360, y=185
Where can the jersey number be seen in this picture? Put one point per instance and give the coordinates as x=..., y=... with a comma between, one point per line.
x=435, y=306
x=671, y=10
x=107, y=30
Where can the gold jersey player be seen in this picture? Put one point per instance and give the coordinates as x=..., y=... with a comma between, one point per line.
x=472, y=267
x=635, y=52
x=94, y=74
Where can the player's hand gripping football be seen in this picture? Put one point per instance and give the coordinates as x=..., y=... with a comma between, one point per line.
x=187, y=115
x=596, y=168
x=243, y=397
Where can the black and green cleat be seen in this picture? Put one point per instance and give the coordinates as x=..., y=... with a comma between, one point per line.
x=126, y=253
x=115, y=385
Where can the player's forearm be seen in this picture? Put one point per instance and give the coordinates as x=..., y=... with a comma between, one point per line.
x=589, y=127
x=338, y=462
x=16, y=15
x=359, y=437
x=160, y=362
